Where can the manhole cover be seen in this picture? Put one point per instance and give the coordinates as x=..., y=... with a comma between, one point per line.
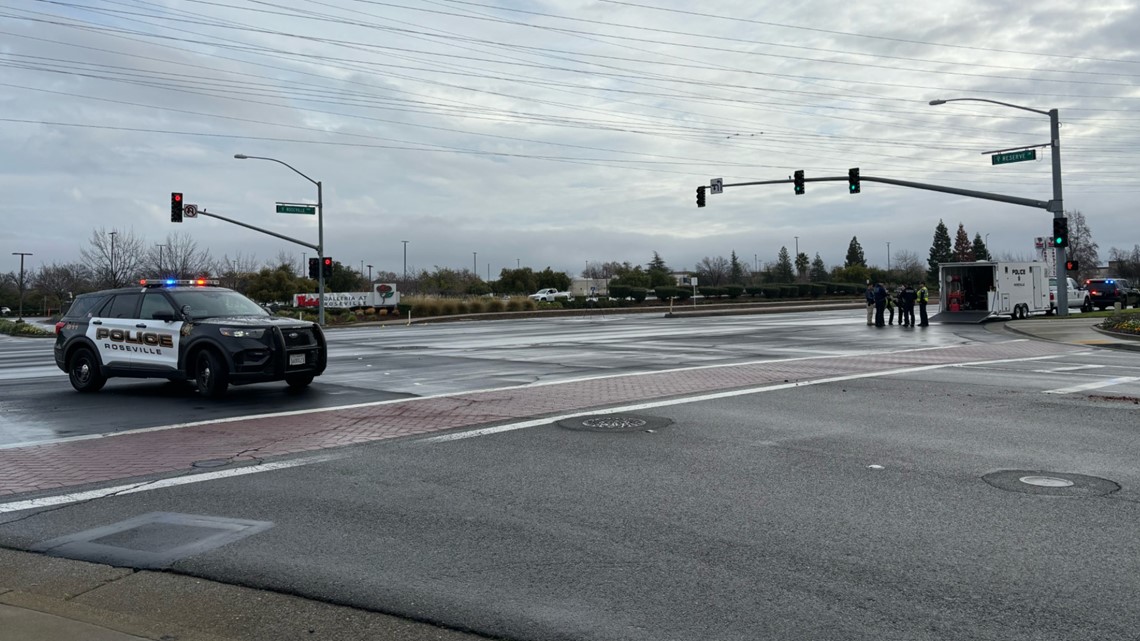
x=1046, y=481
x=615, y=423
x=1050, y=483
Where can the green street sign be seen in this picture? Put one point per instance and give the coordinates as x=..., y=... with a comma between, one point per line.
x=1017, y=156
x=287, y=208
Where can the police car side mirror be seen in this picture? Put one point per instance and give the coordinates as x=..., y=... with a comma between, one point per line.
x=185, y=312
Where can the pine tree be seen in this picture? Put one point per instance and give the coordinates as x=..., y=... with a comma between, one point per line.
x=735, y=270
x=981, y=252
x=818, y=271
x=963, y=252
x=783, y=271
x=855, y=254
x=658, y=272
x=939, y=252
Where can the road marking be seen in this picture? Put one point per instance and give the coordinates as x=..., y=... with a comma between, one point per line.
x=1069, y=368
x=496, y=429
x=146, y=486
x=1094, y=385
x=397, y=401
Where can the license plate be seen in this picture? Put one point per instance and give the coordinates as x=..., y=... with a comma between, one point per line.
x=296, y=359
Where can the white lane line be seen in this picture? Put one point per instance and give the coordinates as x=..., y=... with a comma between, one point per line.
x=484, y=431
x=1071, y=368
x=398, y=401
x=1094, y=385
x=146, y=486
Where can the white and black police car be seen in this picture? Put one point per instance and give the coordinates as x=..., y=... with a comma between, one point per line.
x=184, y=330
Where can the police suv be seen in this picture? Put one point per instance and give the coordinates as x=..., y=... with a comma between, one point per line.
x=184, y=330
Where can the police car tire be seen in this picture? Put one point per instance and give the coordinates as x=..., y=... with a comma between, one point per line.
x=298, y=381
x=93, y=379
x=210, y=374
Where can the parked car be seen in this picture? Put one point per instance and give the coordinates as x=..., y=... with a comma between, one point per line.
x=1078, y=297
x=550, y=294
x=5, y=311
x=1105, y=292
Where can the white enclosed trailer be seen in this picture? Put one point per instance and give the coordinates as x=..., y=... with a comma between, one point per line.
x=973, y=292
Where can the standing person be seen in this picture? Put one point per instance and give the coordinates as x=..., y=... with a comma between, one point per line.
x=923, y=298
x=900, y=302
x=870, y=295
x=891, y=309
x=908, y=297
x=880, y=303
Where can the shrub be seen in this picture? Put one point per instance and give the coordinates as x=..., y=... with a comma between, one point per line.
x=21, y=329
x=817, y=290
x=494, y=305
x=638, y=294
x=1123, y=322
x=711, y=292
x=664, y=293
x=733, y=291
x=349, y=317
x=517, y=304
x=789, y=291
x=803, y=289
x=771, y=291
x=621, y=291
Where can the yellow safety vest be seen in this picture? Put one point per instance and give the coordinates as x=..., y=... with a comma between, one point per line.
x=923, y=295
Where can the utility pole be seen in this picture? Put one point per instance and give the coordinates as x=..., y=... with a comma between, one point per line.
x=475, y=265
x=21, y=255
x=161, y=271
x=888, y=257
x=370, y=274
x=405, y=261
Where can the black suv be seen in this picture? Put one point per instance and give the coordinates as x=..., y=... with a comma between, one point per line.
x=1104, y=292
x=184, y=330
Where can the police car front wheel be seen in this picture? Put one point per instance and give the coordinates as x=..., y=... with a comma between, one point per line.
x=210, y=374
x=83, y=371
x=298, y=381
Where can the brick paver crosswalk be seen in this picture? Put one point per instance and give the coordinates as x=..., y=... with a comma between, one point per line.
x=141, y=454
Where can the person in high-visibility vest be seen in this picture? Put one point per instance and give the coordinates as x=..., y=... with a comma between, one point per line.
x=923, y=299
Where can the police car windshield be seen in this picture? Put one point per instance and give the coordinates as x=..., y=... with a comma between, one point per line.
x=211, y=303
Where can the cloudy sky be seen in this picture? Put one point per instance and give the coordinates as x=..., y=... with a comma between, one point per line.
x=555, y=133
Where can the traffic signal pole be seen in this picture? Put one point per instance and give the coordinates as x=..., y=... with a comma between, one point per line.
x=1058, y=210
x=320, y=253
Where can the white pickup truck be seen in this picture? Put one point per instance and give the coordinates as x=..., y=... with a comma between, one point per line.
x=550, y=294
x=1078, y=298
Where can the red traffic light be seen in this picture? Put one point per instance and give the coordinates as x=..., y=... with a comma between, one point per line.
x=1071, y=265
x=177, y=197
x=328, y=261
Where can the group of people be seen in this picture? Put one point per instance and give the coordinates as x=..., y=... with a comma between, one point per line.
x=879, y=299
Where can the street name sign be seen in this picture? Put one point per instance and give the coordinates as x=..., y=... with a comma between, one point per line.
x=296, y=208
x=1017, y=156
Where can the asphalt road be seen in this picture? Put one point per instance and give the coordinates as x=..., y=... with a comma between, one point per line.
x=853, y=509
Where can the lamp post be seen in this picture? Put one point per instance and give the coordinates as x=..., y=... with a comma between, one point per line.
x=320, y=232
x=1056, y=205
x=370, y=274
x=405, y=261
x=888, y=258
x=21, y=305
x=114, y=280
x=475, y=265
x=160, y=246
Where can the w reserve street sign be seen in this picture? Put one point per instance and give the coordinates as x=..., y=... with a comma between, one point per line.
x=1017, y=156
x=296, y=208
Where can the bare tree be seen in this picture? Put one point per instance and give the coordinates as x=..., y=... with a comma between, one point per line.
x=1081, y=246
x=114, y=257
x=286, y=258
x=1124, y=263
x=62, y=282
x=235, y=272
x=908, y=267
x=713, y=271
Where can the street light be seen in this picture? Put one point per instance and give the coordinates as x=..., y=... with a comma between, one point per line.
x=160, y=246
x=320, y=231
x=114, y=279
x=475, y=265
x=370, y=274
x=1057, y=204
x=405, y=262
x=888, y=257
x=20, y=319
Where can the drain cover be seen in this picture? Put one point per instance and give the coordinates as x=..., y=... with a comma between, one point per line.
x=151, y=541
x=615, y=423
x=1050, y=483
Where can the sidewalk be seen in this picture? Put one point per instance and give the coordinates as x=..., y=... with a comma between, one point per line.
x=1073, y=331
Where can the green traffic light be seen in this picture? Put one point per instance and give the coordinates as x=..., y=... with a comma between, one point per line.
x=1058, y=241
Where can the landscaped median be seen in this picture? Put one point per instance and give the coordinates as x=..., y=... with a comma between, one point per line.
x=1122, y=323
x=18, y=328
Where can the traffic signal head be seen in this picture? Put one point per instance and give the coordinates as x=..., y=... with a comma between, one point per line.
x=701, y=196
x=799, y=182
x=326, y=267
x=176, y=207
x=1060, y=232
x=1072, y=265
x=853, y=180
x=314, y=267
